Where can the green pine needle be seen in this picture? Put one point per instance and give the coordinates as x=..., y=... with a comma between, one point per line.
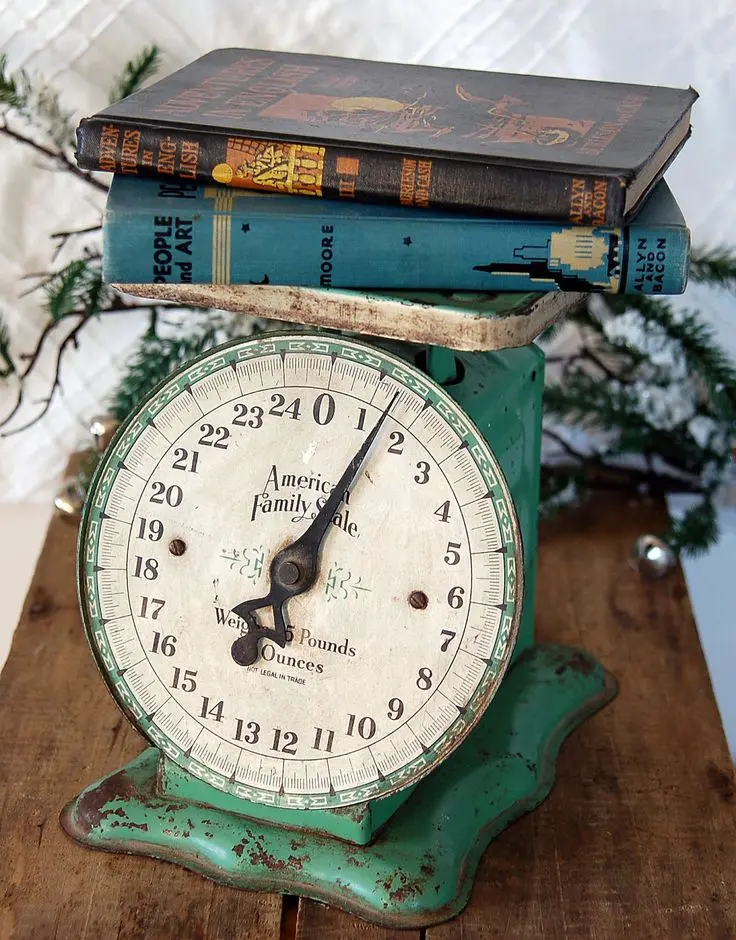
x=57, y=123
x=153, y=361
x=584, y=399
x=697, y=345
x=40, y=107
x=9, y=367
x=696, y=531
x=715, y=266
x=97, y=293
x=559, y=487
x=135, y=73
x=77, y=288
x=64, y=290
x=15, y=87
x=616, y=411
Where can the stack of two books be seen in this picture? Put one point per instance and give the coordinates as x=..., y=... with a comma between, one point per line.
x=432, y=180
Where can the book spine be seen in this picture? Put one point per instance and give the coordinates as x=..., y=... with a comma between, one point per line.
x=185, y=233
x=656, y=260
x=364, y=175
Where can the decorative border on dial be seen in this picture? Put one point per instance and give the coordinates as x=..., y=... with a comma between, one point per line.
x=229, y=356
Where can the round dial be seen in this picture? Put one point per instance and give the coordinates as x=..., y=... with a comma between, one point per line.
x=283, y=634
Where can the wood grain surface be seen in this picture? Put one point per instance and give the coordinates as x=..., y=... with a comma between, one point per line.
x=638, y=837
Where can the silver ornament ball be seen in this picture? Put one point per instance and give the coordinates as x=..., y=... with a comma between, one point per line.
x=70, y=499
x=652, y=557
x=102, y=429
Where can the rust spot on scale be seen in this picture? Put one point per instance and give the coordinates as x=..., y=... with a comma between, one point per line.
x=576, y=662
x=129, y=825
x=400, y=887
x=259, y=856
x=428, y=866
x=91, y=806
x=354, y=812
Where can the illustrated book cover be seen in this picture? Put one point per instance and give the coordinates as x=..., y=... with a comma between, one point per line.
x=424, y=136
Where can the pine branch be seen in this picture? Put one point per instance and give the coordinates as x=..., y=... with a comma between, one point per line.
x=695, y=344
x=79, y=284
x=32, y=359
x=9, y=367
x=592, y=475
x=615, y=410
x=616, y=407
x=135, y=73
x=697, y=530
x=71, y=339
x=62, y=238
x=15, y=88
x=585, y=400
x=56, y=122
x=565, y=445
x=115, y=305
x=56, y=156
x=715, y=266
x=153, y=361
x=64, y=290
x=38, y=106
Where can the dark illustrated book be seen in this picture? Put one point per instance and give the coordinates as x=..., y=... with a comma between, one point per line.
x=579, y=151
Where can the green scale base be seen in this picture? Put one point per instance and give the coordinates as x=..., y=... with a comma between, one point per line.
x=420, y=865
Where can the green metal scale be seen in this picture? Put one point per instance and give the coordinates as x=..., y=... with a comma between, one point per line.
x=306, y=571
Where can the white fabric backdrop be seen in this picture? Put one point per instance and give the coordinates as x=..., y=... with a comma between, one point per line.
x=79, y=44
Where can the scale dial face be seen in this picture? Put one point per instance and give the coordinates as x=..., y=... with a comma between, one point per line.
x=400, y=642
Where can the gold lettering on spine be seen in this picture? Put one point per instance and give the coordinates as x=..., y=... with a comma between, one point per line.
x=408, y=175
x=600, y=201
x=109, y=147
x=272, y=166
x=129, y=151
x=588, y=205
x=424, y=183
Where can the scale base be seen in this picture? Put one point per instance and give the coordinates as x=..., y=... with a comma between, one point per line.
x=419, y=869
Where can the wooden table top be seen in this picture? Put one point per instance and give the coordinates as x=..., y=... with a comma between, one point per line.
x=638, y=837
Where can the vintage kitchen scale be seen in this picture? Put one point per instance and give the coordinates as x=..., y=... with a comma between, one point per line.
x=306, y=572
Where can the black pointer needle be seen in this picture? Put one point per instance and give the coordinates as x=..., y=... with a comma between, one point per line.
x=294, y=569
x=312, y=538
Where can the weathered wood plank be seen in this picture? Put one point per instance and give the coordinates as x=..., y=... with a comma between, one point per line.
x=638, y=837
x=59, y=730
x=319, y=922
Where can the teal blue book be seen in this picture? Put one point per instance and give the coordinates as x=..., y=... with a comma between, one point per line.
x=158, y=232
